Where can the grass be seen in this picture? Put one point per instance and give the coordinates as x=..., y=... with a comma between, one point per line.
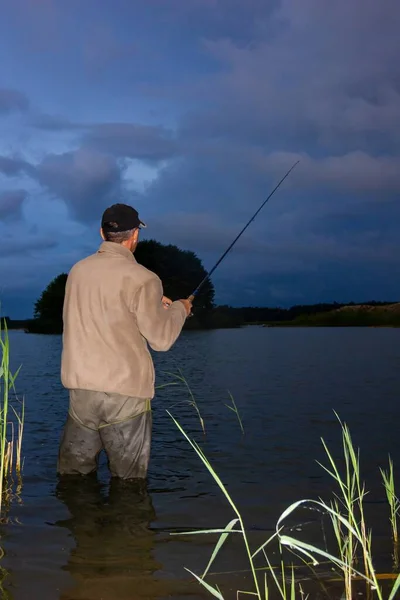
x=394, y=506
x=192, y=400
x=235, y=410
x=180, y=379
x=352, y=559
x=11, y=431
x=350, y=502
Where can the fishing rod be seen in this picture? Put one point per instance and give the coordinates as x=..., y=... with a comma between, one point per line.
x=196, y=291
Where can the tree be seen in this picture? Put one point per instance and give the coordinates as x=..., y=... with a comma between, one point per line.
x=179, y=270
x=49, y=307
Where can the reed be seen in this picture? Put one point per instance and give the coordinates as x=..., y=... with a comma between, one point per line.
x=11, y=434
x=181, y=379
x=351, y=498
x=235, y=410
x=394, y=506
x=346, y=514
x=192, y=400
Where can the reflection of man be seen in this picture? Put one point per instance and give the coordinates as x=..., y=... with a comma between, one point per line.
x=113, y=557
x=113, y=307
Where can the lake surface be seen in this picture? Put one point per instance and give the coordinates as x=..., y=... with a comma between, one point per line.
x=89, y=542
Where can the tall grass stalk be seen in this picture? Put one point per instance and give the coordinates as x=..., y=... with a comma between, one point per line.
x=192, y=400
x=5, y=387
x=21, y=422
x=394, y=506
x=351, y=498
x=9, y=448
x=394, y=503
x=235, y=410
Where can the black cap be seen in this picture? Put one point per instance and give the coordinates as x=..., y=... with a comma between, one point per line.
x=120, y=217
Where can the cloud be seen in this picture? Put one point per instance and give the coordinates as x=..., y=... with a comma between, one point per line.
x=297, y=84
x=293, y=93
x=12, y=166
x=203, y=233
x=29, y=245
x=11, y=204
x=85, y=179
x=102, y=48
x=37, y=24
x=54, y=123
x=355, y=172
x=273, y=250
x=148, y=143
x=12, y=101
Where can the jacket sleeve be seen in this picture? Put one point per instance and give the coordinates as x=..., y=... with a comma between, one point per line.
x=160, y=326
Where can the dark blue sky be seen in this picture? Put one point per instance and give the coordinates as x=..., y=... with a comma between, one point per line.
x=192, y=110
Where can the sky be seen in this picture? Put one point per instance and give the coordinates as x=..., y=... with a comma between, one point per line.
x=192, y=111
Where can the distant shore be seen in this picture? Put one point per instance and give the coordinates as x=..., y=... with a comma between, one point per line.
x=372, y=314
x=361, y=315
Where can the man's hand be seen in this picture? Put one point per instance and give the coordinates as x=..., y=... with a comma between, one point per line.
x=188, y=305
x=166, y=302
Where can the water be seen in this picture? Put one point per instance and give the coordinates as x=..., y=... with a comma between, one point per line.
x=93, y=543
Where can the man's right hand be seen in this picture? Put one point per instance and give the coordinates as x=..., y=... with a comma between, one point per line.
x=188, y=305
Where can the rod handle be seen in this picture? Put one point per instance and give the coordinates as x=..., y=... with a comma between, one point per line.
x=191, y=298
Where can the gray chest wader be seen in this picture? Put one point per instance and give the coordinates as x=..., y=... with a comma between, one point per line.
x=121, y=425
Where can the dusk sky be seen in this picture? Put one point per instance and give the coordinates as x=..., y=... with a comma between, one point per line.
x=191, y=111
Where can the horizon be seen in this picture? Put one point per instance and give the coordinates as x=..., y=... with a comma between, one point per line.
x=255, y=307
x=192, y=113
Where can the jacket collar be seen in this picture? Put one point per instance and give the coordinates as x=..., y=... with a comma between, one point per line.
x=116, y=250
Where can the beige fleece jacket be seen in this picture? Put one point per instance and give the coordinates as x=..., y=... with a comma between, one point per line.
x=112, y=310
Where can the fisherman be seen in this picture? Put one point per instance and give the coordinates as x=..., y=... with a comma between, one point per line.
x=113, y=309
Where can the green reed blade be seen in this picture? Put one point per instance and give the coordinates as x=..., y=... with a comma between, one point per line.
x=264, y=544
x=395, y=587
x=307, y=549
x=272, y=571
x=235, y=410
x=208, y=531
x=266, y=593
x=293, y=587
x=220, y=543
x=214, y=591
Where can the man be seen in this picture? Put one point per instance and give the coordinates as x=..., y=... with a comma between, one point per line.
x=113, y=308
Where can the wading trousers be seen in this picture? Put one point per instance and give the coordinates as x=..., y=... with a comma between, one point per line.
x=120, y=425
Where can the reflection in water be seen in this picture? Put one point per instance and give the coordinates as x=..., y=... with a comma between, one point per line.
x=113, y=557
x=5, y=594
